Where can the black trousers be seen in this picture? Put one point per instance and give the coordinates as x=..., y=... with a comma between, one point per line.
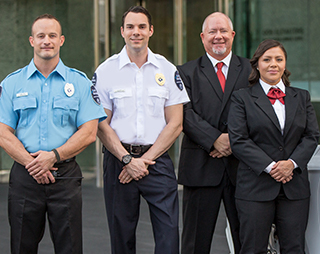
x=200, y=212
x=256, y=218
x=29, y=203
x=159, y=189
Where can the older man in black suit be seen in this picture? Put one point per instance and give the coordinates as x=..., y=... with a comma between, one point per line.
x=207, y=166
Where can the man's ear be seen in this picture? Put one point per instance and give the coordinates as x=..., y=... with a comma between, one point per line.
x=31, y=41
x=151, y=31
x=62, y=40
x=122, y=30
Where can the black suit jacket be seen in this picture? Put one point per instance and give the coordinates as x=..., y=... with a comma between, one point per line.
x=256, y=139
x=206, y=118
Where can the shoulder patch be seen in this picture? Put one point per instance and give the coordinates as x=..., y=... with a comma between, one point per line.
x=94, y=79
x=95, y=95
x=178, y=80
x=0, y=91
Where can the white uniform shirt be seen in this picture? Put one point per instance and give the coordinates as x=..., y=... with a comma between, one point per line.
x=137, y=97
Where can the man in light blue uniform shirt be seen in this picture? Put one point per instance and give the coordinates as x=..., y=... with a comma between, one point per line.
x=49, y=114
x=143, y=96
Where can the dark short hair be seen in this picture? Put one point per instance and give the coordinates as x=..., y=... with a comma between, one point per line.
x=262, y=48
x=46, y=16
x=137, y=9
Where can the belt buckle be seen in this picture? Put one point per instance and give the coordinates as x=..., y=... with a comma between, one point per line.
x=135, y=150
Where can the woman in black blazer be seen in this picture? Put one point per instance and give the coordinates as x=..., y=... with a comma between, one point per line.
x=273, y=132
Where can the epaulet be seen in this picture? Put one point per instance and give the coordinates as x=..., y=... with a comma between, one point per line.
x=14, y=73
x=106, y=62
x=111, y=58
x=162, y=58
x=80, y=72
x=158, y=56
x=115, y=56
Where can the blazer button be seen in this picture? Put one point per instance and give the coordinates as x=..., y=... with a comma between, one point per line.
x=225, y=123
x=280, y=148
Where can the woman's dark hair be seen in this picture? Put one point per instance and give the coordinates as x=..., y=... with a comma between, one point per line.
x=262, y=48
x=137, y=9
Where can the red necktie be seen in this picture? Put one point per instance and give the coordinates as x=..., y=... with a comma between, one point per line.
x=220, y=75
x=274, y=94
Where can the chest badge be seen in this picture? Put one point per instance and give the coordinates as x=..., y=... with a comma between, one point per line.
x=69, y=89
x=160, y=79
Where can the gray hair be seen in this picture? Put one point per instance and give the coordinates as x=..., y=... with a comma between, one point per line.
x=215, y=14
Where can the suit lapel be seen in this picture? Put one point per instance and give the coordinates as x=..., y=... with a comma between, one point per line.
x=263, y=102
x=291, y=108
x=211, y=75
x=233, y=74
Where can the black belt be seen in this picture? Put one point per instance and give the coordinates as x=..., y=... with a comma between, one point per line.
x=66, y=161
x=56, y=173
x=136, y=149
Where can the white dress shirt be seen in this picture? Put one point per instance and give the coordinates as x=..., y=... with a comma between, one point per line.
x=225, y=67
x=278, y=107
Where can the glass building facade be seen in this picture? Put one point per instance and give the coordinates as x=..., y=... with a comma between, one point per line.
x=92, y=30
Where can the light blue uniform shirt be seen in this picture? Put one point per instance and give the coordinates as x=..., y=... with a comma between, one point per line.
x=46, y=112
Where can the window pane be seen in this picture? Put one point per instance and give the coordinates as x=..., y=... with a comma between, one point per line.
x=197, y=11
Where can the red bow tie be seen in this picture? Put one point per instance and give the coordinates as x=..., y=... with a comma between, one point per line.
x=274, y=94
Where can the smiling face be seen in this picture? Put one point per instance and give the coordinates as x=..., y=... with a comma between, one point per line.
x=217, y=36
x=136, y=32
x=271, y=65
x=46, y=39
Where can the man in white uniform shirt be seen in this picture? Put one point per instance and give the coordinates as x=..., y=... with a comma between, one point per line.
x=143, y=96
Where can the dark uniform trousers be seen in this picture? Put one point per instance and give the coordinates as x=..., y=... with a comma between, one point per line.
x=159, y=189
x=288, y=216
x=29, y=202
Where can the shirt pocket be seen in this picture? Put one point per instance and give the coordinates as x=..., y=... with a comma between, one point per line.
x=123, y=104
x=65, y=111
x=156, y=101
x=25, y=106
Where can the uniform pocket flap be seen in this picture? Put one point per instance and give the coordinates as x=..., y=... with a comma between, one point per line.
x=158, y=92
x=66, y=103
x=24, y=103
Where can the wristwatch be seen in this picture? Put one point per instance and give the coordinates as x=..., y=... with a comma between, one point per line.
x=126, y=159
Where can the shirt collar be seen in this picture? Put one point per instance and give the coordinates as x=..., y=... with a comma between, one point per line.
x=60, y=69
x=266, y=87
x=124, y=58
x=225, y=60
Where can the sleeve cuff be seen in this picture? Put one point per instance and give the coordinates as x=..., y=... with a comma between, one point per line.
x=294, y=163
x=269, y=168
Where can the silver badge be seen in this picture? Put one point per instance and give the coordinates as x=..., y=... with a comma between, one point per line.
x=69, y=89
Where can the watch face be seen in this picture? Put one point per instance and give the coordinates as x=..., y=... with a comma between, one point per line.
x=126, y=159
